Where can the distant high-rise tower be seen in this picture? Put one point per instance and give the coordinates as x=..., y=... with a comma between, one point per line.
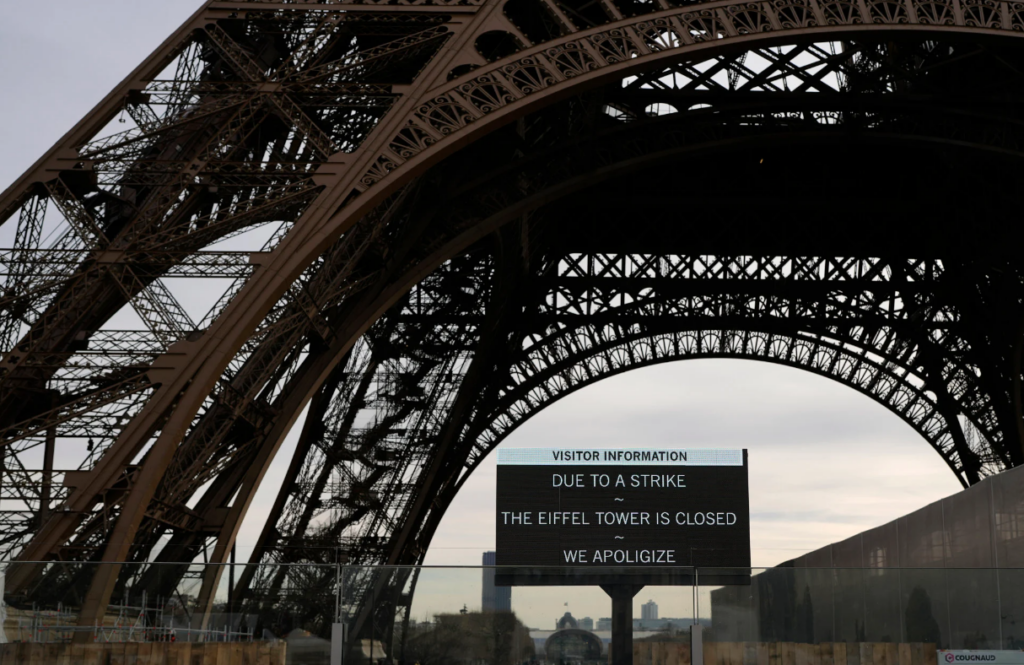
x=649, y=610
x=586, y=623
x=495, y=598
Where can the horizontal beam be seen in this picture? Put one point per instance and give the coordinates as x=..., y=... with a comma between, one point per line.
x=229, y=9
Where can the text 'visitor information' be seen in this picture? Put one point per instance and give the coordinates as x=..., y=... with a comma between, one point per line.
x=626, y=506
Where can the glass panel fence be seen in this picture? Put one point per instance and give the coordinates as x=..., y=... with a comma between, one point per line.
x=168, y=613
x=294, y=614
x=511, y=616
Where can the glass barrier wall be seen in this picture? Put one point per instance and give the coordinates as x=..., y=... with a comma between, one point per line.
x=293, y=614
x=168, y=613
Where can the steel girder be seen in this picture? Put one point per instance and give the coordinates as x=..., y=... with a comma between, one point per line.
x=404, y=308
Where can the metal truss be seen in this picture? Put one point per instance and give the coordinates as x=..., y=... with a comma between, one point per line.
x=427, y=222
x=604, y=314
x=207, y=154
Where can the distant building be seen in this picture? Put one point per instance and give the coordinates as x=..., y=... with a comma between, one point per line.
x=663, y=623
x=567, y=621
x=649, y=610
x=494, y=598
x=572, y=645
x=586, y=623
x=604, y=623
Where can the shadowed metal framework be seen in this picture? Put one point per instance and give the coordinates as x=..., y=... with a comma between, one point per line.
x=426, y=222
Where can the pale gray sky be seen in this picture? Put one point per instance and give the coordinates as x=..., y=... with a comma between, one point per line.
x=825, y=461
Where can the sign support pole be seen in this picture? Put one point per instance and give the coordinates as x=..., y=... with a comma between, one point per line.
x=622, y=621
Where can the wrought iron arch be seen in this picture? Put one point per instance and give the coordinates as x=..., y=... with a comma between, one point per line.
x=887, y=384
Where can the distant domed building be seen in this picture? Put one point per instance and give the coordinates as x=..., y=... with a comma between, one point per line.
x=572, y=645
x=567, y=621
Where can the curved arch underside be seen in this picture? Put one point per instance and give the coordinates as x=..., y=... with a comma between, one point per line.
x=479, y=211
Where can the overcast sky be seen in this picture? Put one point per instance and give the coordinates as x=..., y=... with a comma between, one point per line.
x=825, y=462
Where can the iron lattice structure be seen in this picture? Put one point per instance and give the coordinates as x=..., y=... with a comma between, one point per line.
x=425, y=222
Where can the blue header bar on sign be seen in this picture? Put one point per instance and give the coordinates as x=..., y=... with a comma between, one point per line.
x=620, y=456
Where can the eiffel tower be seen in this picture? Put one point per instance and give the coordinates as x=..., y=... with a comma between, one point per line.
x=426, y=220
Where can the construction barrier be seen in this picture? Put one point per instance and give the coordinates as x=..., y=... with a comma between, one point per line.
x=787, y=653
x=145, y=653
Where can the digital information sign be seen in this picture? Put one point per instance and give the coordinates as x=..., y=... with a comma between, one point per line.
x=623, y=507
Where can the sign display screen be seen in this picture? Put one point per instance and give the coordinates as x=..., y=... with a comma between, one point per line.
x=623, y=507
